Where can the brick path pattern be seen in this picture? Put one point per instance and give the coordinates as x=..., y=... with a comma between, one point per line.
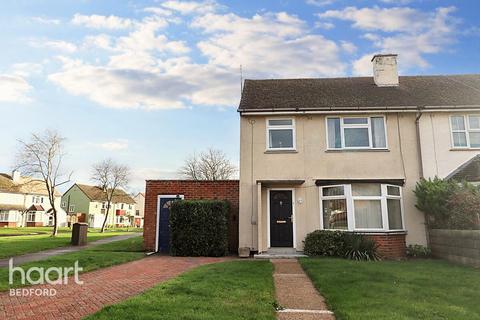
x=100, y=288
x=296, y=294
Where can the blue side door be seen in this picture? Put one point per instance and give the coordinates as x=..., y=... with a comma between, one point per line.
x=164, y=224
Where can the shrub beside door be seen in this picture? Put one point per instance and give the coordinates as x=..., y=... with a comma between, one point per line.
x=199, y=228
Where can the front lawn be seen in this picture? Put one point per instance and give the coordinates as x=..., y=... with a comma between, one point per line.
x=419, y=289
x=101, y=256
x=17, y=245
x=228, y=290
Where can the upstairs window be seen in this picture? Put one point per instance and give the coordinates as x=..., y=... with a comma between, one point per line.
x=465, y=131
x=280, y=134
x=356, y=133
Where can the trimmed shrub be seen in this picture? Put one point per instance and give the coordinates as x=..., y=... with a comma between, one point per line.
x=324, y=243
x=465, y=209
x=340, y=244
x=199, y=228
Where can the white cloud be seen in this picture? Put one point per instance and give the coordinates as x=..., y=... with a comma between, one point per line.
x=408, y=32
x=14, y=88
x=383, y=19
x=324, y=25
x=26, y=69
x=320, y=3
x=348, y=47
x=148, y=70
x=102, y=22
x=189, y=7
x=268, y=45
x=44, y=20
x=116, y=145
x=57, y=45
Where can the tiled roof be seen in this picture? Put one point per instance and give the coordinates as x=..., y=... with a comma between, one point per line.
x=360, y=93
x=96, y=193
x=469, y=171
x=26, y=185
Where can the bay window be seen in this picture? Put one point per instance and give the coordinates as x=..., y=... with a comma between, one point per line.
x=356, y=132
x=280, y=134
x=361, y=207
x=465, y=131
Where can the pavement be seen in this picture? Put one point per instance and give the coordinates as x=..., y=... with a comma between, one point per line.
x=100, y=288
x=296, y=294
x=45, y=254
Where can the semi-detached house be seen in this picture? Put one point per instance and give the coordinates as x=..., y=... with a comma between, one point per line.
x=346, y=153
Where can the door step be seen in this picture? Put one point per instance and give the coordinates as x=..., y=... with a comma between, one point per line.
x=280, y=253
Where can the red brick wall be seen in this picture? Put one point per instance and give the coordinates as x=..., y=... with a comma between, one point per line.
x=34, y=224
x=8, y=224
x=191, y=190
x=391, y=246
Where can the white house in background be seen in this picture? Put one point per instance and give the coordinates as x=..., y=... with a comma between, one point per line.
x=24, y=202
x=139, y=210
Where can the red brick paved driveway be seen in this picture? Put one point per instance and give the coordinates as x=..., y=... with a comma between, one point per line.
x=101, y=287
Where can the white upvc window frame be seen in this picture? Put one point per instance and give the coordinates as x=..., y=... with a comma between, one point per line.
x=467, y=130
x=71, y=208
x=4, y=215
x=347, y=195
x=350, y=204
x=29, y=216
x=367, y=125
x=292, y=127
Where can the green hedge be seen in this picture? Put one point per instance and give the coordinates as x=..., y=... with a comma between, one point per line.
x=199, y=228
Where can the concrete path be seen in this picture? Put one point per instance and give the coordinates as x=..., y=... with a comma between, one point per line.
x=296, y=294
x=100, y=288
x=41, y=255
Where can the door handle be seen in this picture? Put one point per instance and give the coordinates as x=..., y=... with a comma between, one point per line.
x=281, y=221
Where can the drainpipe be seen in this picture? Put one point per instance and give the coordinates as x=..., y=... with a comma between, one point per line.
x=420, y=160
x=254, y=185
x=419, y=145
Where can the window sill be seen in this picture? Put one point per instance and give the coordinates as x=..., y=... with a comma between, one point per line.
x=464, y=149
x=280, y=151
x=356, y=150
x=381, y=232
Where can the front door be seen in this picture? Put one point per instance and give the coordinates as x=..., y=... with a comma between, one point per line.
x=281, y=215
x=164, y=223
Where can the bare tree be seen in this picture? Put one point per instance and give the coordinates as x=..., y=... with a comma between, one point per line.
x=212, y=164
x=41, y=157
x=110, y=176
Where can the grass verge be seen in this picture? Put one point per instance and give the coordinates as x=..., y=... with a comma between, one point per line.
x=17, y=245
x=90, y=259
x=228, y=290
x=416, y=289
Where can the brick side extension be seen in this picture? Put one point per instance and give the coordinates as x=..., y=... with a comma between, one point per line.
x=391, y=246
x=191, y=190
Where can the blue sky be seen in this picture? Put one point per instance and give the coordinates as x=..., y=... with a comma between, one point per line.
x=150, y=82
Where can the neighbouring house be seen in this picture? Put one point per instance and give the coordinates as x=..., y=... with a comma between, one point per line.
x=139, y=210
x=85, y=203
x=346, y=153
x=24, y=202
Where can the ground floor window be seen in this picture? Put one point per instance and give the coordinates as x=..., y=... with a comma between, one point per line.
x=361, y=207
x=3, y=216
x=31, y=216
